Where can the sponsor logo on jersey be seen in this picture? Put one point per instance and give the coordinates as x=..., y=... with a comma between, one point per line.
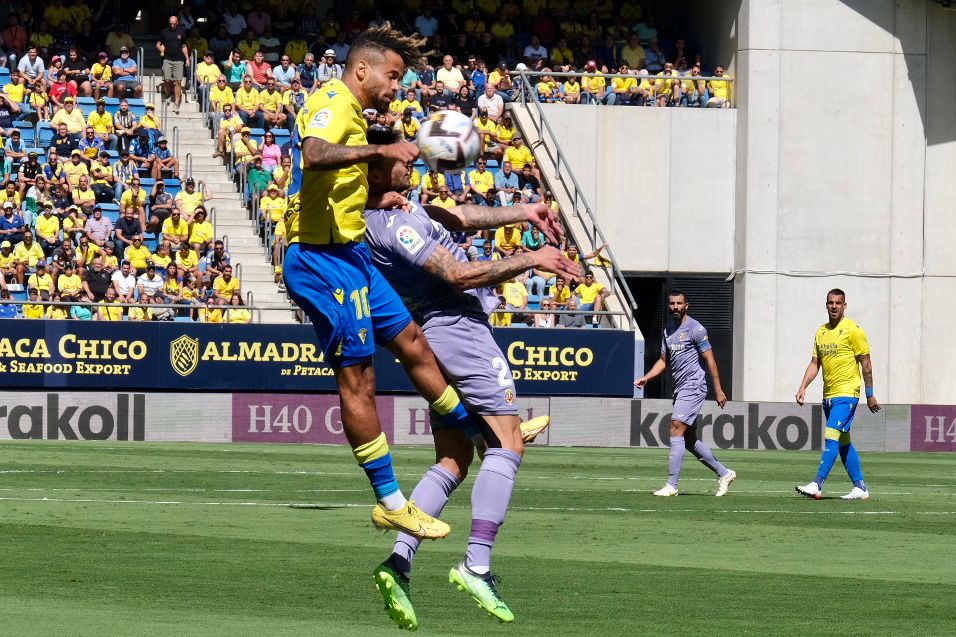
x=409, y=239
x=321, y=119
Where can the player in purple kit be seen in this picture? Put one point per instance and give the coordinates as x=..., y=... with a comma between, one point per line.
x=451, y=298
x=685, y=344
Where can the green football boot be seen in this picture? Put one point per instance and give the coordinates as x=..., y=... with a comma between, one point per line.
x=482, y=590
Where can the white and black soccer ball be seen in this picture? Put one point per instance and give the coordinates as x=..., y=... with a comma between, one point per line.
x=448, y=141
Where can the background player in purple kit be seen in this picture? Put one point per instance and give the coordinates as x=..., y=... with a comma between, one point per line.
x=685, y=344
x=451, y=298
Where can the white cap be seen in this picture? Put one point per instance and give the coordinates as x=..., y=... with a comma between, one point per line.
x=521, y=67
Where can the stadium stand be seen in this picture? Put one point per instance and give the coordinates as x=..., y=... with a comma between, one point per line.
x=103, y=153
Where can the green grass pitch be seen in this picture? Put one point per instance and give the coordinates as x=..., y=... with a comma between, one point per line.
x=200, y=539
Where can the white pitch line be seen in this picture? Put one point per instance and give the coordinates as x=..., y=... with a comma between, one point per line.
x=347, y=505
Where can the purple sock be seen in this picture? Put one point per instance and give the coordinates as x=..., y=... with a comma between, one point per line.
x=489, y=503
x=675, y=460
x=703, y=453
x=430, y=495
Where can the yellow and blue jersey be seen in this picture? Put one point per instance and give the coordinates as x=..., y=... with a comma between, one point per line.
x=836, y=349
x=325, y=206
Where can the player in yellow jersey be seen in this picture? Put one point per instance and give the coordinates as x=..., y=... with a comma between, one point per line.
x=840, y=348
x=328, y=269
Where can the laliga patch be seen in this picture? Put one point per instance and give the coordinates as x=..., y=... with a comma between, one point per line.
x=409, y=239
x=321, y=119
x=509, y=396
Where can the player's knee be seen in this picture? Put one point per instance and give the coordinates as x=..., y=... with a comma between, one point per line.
x=678, y=428
x=456, y=464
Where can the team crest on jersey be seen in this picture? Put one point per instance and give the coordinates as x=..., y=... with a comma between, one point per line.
x=362, y=333
x=409, y=239
x=682, y=336
x=509, y=396
x=321, y=119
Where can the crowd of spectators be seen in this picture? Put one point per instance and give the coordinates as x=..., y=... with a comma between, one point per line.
x=93, y=209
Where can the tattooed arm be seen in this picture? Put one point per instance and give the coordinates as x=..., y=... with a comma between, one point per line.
x=468, y=217
x=480, y=274
x=319, y=154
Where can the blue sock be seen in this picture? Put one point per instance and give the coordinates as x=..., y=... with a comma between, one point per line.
x=460, y=418
x=851, y=460
x=381, y=475
x=830, y=452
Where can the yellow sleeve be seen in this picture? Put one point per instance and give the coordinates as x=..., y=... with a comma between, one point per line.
x=858, y=342
x=815, y=351
x=332, y=123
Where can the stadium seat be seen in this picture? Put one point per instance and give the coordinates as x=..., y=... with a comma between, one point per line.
x=257, y=134
x=4, y=75
x=27, y=132
x=45, y=134
x=146, y=183
x=111, y=211
x=114, y=155
x=282, y=135
x=150, y=241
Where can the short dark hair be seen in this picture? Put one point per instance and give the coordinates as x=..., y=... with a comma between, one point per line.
x=382, y=39
x=676, y=292
x=836, y=292
x=381, y=137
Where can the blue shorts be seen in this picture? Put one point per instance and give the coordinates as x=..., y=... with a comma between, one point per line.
x=351, y=305
x=839, y=412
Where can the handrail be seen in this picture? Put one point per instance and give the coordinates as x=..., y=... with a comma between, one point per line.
x=238, y=269
x=634, y=75
x=578, y=199
x=212, y=213
x=172, y=306
x=175, y=141
x=193, y=60
x=248, y=297
x=189, y=165
x=139, y=63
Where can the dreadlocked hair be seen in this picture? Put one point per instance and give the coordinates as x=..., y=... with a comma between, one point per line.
x=382, y=39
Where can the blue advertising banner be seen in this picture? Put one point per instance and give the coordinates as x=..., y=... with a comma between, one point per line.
x=164, y=356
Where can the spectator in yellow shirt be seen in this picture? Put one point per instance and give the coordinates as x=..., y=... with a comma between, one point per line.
x=26, y=254
x=622, y=88
x=225, y=285
x=34, y=310
x=248, y=105
x=431, y=184
x=71, y=116
x=572, y=91
x=189, y=198
x=201, y=232
x=229, y=126
x=176, y=230
x=408, y=126
x=507, y=239
x=220, y=94
x=592, y=295
x=480, y=181
x=719, y=90
x=68, y=284
x=48, y=228
x=105, y=313
x=75, y=168
x=237, y=312
x=141, y=312
x=102, y=123
x=272, y=205
x=42, y=281
x=444, y=198
x=518, y=154
x=57, y=312
x=593, y=88
x=270, y=100
x=101, y=76
x=138, y=255
x=187, y=259
x=210, y=313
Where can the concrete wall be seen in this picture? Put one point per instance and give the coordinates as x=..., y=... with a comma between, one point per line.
x=838, y=169
x=660, y=180
x=848, y=178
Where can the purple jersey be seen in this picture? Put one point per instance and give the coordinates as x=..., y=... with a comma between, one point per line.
x=684, y=343
x=400, y=243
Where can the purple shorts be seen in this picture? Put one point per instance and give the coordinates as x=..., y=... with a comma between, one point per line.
x=474, y=364
x=687, y=404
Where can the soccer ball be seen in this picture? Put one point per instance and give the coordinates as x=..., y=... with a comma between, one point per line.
x=448, y=141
